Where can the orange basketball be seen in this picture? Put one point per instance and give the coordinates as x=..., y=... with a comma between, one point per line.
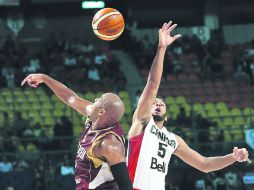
x=108, y=24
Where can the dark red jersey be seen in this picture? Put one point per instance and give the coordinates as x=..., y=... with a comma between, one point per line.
x=92, y=172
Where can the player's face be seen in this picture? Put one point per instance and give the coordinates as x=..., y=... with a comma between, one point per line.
x=159, y=110
x=94, y=109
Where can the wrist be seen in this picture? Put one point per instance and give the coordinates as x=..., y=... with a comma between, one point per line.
x=162, y=47
x=233, y=157
x=44, y=77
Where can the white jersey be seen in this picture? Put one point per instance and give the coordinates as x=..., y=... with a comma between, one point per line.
x=148, y=157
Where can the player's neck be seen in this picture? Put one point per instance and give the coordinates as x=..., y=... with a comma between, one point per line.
x=99, y=124
x=159, y=124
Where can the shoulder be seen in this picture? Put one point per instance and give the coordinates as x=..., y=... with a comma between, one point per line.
x=110, y=139
x=111, y=144
x=179, y=139
x=111, y=149
x=182, y=145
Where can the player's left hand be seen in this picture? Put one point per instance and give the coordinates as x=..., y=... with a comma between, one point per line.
x=240, y=155
x=165, y=37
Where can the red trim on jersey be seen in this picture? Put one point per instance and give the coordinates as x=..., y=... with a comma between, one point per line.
x=134, y=150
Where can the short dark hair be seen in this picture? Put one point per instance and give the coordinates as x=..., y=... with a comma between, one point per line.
x=161, y=98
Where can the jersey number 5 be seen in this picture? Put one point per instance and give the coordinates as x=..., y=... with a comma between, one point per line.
x=162, y=150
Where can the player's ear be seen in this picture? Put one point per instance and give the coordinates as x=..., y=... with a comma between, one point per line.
x=102, y=111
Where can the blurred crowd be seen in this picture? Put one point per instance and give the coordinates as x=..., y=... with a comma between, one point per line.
x=201, y=125
x=75, y=62
x=18, y=135
x=44, y=173
x=210, y=181
x=188, y=55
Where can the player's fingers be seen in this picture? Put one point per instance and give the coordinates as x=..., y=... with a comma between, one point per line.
x=168, y=25
x=163, y=27
x=172, y=27
x=249, y=161
x=246, y=158
x=32, y=84
x=243, y=151
x=243, y=157
x=176, y=37
x=246, y=154
x=243, y=154
x=25, y=80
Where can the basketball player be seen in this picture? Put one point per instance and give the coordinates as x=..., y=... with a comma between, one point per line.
x=151, y=145
x=100, y=161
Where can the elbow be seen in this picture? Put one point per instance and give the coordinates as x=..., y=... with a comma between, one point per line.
x=130, y=135
x=205, y=167
x=205, y=171
x=70, y=100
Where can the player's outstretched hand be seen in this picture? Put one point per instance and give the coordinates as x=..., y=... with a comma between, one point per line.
x=33, y=80
x=241, y=155
x=165, y=37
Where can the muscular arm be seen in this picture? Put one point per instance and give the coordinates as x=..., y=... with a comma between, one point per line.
x=207, y=164
x=65, y=94
x=112, y=150
x=143, y=111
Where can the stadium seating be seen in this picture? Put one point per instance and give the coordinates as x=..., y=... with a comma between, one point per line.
x=38, y=106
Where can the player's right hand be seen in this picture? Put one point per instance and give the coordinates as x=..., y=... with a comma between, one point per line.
x=33, y=80
x=165, y=37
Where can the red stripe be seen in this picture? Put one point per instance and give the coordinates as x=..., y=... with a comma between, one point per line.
x=134, y=150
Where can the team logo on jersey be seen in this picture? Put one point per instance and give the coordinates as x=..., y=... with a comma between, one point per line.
x=81, y=152
x=161, y=167
x=162, y=136
x=77, y=180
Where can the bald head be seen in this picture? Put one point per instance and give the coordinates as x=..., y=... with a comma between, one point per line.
x=114, y=106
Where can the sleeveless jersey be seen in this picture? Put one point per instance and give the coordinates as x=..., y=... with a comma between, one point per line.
x=91, y=172
x=148, y=157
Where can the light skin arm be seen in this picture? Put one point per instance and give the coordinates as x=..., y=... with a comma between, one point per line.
x=208, y=164
x=143, y=111
x=65, y=94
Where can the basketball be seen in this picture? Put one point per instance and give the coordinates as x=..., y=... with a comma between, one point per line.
x=108, y=24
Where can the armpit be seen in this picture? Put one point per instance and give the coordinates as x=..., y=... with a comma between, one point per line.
x=144, y=122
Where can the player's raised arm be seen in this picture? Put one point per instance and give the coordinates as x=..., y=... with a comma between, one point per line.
x=143, y=110
x=65, y=94
x=209, y=164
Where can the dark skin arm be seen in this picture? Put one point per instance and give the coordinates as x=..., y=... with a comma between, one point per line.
x=110, y=149
x=65, y=94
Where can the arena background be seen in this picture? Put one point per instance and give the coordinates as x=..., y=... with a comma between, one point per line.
x=207, y=84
